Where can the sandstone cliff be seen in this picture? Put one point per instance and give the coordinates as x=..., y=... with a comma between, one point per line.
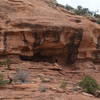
x=31, y=28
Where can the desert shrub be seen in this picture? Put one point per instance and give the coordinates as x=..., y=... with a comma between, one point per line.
x=68, y=7
x=2, y=63
x=83, y=11
x=44, y=79
x=21, y=76
x=80, y=10
x=89, y=84
x=63, y=85
x=6, y=63
x=3, y=82
x=60, y=5
x=43, y=89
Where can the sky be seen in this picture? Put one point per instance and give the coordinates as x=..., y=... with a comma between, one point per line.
x=93, y=5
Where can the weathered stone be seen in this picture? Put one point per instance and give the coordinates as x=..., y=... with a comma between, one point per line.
x=38, y=28
x=97, y=94
x=86, y=94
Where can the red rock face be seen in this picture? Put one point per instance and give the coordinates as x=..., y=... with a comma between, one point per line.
x=39, y=27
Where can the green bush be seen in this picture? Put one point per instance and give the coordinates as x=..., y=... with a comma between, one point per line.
x=6, y=63
x=68, y=7
x=83, y=11
x=43, y=89
x=60, y=5
x=89, y=84
x=80, y=10
x=2, y=81
x=63, y=85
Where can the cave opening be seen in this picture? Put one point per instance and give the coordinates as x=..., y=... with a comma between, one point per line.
x=70, y=53
x=38, y=58
x=40, y=38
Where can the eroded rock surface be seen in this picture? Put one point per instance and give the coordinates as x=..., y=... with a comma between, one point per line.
x=31, y=28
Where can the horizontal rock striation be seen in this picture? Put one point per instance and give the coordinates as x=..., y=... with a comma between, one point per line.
x=39, y=28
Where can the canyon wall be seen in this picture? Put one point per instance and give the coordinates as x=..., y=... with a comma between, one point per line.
x=34, y=28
